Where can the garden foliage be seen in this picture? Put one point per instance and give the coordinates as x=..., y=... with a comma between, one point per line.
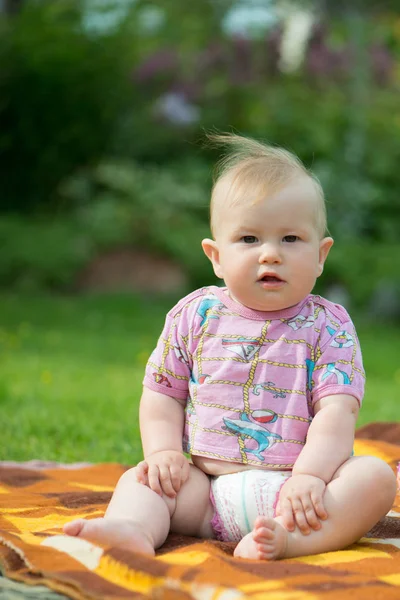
x=100, y=131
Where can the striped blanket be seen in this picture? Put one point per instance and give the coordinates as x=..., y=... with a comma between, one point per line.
x=37, y=561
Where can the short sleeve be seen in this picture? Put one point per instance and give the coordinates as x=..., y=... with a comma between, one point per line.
x=169, y=366
x=338, y=367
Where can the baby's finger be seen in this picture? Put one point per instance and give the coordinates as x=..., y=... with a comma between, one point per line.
x=165, y=481
x=185, y=471
x=176, y=477
x=286, y=512
x=319, y=507
x=311, y=516
x=300, y=516
x=141, y=471
x=154, y=482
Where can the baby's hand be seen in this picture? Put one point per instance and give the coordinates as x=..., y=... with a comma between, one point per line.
x=301, y=503
x=164, y=472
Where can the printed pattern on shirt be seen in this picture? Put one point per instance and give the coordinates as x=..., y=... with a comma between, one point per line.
x=251, y=384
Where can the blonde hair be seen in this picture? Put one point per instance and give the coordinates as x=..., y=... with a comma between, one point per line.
x=261, y=168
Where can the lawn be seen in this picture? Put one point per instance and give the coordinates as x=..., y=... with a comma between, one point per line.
x=71, y=370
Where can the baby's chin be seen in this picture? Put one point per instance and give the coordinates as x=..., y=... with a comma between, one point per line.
x=274, y=305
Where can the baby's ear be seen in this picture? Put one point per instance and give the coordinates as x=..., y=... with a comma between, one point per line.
x=210, y=249
x=324, y=246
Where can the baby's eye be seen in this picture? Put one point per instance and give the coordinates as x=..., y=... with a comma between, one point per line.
x=291, y=238
x=249, y=239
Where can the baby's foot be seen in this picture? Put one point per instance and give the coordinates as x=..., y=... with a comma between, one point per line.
x=267, y=541
x=121, y=533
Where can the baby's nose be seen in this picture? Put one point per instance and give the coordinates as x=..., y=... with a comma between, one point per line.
x=270, y=254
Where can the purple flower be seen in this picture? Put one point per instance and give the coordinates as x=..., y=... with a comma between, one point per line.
x=241, y=68
x=157, y=64
x=321, y=60
x=382, y=63
x=273, y=51
x=211, y=58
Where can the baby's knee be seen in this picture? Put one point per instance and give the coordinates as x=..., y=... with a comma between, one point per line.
x=382, y=480
x=378, y=468
x=130, y=476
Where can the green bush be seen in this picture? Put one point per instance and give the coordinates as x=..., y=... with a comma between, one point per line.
x=90, y=132
x=114, y=205
x=42, y=253
x=71, y=96
x=62, y=92
x=362, y=268
x=119, y=203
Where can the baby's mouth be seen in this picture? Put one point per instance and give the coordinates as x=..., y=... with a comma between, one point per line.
x=271, y=279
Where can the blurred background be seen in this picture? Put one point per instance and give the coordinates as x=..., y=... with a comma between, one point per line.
x=105, y=186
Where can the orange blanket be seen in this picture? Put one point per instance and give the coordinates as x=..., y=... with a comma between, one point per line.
x=36, y=502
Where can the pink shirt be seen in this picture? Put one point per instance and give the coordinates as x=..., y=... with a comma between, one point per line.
x=251, y=378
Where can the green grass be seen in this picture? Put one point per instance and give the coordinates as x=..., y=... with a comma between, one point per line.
x=71, y=374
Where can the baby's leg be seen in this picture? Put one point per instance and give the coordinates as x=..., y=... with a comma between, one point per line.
x=360, y=493
x=139, y=519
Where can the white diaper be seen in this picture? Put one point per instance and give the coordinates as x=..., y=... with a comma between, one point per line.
x=239, y=498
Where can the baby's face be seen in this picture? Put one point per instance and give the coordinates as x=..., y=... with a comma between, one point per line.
x=271, y=253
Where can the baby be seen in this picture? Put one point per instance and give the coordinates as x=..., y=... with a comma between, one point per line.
x=260, y=382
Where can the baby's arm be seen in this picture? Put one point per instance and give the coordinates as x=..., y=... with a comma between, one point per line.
x=329, y=444
x=330, y=438
x=165, y=467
